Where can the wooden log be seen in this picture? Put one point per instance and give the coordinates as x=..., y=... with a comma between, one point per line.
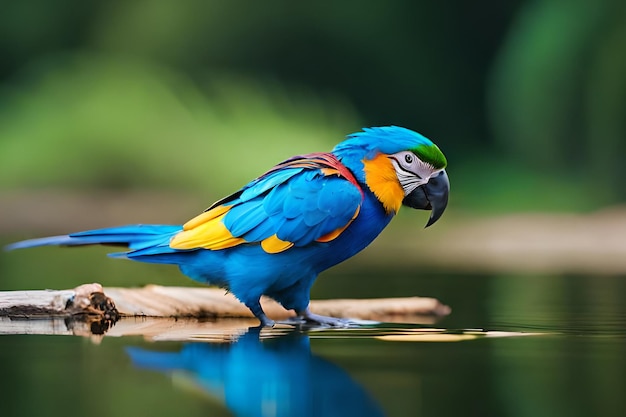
x=87, y=310
x=87, y=299
x=159, y=301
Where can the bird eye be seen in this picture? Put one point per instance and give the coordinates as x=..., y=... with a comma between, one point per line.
x=408, y=158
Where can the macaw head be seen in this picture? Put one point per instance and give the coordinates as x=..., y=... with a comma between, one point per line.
x=400, y=166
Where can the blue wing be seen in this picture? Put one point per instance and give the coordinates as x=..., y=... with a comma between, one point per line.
x=306, y=199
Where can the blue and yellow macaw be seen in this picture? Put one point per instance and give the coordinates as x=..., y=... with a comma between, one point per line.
x=277, y=233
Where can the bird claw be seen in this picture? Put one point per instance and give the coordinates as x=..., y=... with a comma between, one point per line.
x=267, y=322
x=326, y=321
x=311, y=320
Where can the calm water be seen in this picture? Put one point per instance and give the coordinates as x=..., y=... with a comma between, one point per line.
x=573, y=363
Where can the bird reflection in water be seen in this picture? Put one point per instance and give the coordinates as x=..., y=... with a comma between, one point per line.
x=266, y=377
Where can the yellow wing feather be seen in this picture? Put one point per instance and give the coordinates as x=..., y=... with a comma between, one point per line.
x=273, y=244
x=218, y=211
x=207, y=231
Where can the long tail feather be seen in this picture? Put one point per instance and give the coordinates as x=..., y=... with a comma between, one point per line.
x=135, y=237
x=63, y=240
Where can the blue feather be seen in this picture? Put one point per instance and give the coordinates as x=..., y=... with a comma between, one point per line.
x=274, y=201
x=313, y=216
x=129, y=235
x=63, y=240
x=386, y=139
x=293, y=206
x=262, y=231
x=292, y=230
x=265, y=183
x=244, y=217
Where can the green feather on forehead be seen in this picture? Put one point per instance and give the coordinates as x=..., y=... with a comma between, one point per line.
x=432, y=155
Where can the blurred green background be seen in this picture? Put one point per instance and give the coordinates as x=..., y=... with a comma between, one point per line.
x=526, y=98
x=122, y=112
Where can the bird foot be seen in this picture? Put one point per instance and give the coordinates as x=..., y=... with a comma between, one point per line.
x=309, y=319
x=266, y=321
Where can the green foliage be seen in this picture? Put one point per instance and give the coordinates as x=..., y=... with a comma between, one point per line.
x=558, y=91
x=486, y=184
x=99, y=123
x=205, y=95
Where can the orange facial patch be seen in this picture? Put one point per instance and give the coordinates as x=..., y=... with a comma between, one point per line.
x=381, y=178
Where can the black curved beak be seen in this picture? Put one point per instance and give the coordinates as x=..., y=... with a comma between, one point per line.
x=430, y=196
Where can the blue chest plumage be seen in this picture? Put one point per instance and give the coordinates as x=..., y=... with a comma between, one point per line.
x=248, y=271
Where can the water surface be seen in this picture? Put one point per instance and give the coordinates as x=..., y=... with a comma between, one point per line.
x=514, y=345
